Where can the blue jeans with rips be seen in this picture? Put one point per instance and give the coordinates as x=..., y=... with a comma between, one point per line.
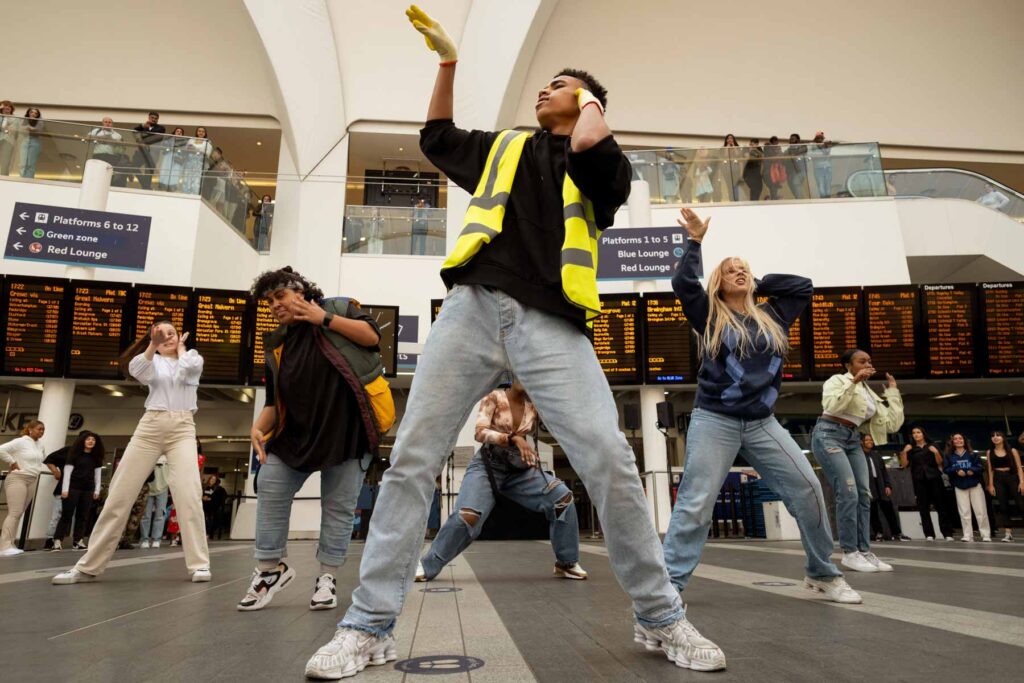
x=479, y=336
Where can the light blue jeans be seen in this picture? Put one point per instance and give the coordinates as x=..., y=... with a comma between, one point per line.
x=823, y=178
x=530, y=488
x=277, y=484
x=837, y=449
x=155, y=506
x=712, y=442
x=479, y=335
x=29, y=156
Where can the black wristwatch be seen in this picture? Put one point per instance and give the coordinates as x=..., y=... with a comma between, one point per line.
x=328, y=317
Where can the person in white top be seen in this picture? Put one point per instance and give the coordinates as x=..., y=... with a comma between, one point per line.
x=25, y=456
x=172, y=374
x=850, y=408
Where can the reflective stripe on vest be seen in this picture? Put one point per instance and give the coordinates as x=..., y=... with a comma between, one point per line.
x=486, y=213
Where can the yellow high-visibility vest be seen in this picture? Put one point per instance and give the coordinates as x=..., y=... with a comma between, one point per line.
x=486, y=213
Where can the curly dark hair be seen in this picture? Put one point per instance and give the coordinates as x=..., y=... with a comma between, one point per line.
x=283, y=277
x=593, y=85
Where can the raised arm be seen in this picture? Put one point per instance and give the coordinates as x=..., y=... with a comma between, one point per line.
x=437, y=39
x=788, y=294
x=590, y=127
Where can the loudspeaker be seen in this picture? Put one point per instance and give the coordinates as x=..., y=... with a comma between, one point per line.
x=666, y=415
x=631, y=415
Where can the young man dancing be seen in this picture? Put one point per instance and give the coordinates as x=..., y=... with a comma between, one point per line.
x=523, y=287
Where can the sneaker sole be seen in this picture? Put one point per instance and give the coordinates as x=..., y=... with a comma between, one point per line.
x=316, y=606
x=673, y=654
x=560, y=574
x=378, y=659
x=68, y=582
x=202, y=579
x=866, y=570
x=285, y=580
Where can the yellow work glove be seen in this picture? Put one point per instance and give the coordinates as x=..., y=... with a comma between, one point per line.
x=435, y=35
x=585, y=97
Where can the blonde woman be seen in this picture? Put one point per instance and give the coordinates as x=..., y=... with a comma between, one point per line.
x=742, y=346
x=161, y=361
x=24, y=456
x=851, y=408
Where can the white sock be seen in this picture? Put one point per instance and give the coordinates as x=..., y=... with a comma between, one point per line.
x=328, y=569
x=267, y=565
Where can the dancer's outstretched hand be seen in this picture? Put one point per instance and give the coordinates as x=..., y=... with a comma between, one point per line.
x=435, y=35
x=693, y=225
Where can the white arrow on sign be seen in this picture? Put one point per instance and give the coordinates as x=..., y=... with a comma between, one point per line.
x=23, y=215
x=20, y=231
x=17, y=246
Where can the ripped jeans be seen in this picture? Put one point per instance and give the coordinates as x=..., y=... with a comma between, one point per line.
x=530, y=488
x=837, y=449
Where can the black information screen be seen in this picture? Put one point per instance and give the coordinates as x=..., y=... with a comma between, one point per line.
x=387, y=320
x=1002, y=304
x=668, y=341
x=32, y=315
x=949, y=316
x=795, y=365
x=97, y=329
x=892, y=320
x=265, y=322
x=435, y=309
x=615, y=338
x=835, y=315
x=219, y=335
x=153, y=304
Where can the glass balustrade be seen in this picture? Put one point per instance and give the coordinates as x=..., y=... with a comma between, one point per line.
x=409, y=230
x=41, y=149
x=803, y=170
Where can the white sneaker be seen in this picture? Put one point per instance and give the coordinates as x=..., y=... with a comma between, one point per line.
x=967, y=539
x=349, y=652
x=683, y=644
x=948, y=538
x=145, y=544
x=80, y=545
x=154, y=544
x=929, y=538
x=421, y=573
x=1008, y=538
x=72, y=576
x=57, y=547
x=174, y=543
x=574, y=572
x=264, y=585
x=879, y=565
x=201, y=576
x=325, y=593
x=835, y=589
x=11, y=552
x=858, y=563
x=986, y=539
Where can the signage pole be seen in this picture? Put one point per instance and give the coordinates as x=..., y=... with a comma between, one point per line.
x=58, y=394
x=655, y=447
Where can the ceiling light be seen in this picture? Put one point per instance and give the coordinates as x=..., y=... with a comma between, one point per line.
x=947, y=395
x=401, y=149
x=219, y=436
x=259, y=144
x=116, y=393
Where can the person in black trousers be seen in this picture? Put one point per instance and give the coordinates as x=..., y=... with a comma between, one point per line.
x=150, y=133
x=925, y=463
x=881, y=494
x=1005, y=480
x=80, y=487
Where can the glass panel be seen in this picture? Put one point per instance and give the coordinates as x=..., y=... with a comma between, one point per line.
x=803, y=170
x=417, y=231
x=952, y=183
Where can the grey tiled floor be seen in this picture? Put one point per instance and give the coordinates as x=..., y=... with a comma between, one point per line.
x=145, y=622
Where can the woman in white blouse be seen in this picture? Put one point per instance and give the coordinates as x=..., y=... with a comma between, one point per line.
x=25, y=456
x=172, y=374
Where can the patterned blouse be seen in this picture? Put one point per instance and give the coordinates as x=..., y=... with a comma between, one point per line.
x=494, y=424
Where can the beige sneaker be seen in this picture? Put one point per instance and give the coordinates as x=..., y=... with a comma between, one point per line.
x=574, y=571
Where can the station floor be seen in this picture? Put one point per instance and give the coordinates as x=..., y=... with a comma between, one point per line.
x=950, y=612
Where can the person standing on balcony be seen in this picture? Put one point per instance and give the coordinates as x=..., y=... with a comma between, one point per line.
x=264, y=220
x=753, y=168
x=775, y=167
x=150, y=133
x=106, y=146
x=197, y=151
x=796, y=160
x=821, y=155
x=850, y=408
x=732, y=165
x=993, y=198
x=172, y=160
x=31, y=141
x=420, y=227
x=523, y=288
x=9, y=125
x=742, y=346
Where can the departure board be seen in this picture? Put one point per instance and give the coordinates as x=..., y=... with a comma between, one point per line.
x=1002, y=304
x=949, y=316
x=892, y=320
x=615, y=338
x=219, y=335
x=153, y=304
x=97, y=329
x=835, y=315
x=264, y=322
x=32, y=315
x=668, y=341
x=387, y=321
x=435, y=309
x=795, y=365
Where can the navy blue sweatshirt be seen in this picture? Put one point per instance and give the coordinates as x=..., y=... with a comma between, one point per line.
x=740, y=387
x=954, y=462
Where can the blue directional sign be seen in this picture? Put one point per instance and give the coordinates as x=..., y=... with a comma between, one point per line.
x=60, y=234
x=639, y=253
